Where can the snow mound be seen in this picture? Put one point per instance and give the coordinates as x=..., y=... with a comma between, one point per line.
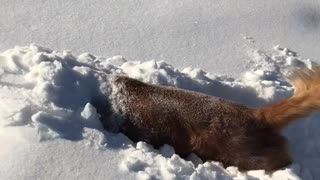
x=50, y=129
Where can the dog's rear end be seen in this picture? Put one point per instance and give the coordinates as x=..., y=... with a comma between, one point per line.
x=213, y=128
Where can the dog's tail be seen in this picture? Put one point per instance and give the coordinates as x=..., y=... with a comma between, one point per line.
x=305, y=100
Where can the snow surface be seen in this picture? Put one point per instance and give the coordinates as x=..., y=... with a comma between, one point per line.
x=208, y=34
x=49, y=128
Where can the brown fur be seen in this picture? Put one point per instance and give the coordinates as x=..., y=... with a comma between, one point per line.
x=214, y=128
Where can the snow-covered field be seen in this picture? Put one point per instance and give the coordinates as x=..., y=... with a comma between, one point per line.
x=50, y=130
x=208, y=34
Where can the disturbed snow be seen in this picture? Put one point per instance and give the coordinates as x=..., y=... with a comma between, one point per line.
x=49, y=128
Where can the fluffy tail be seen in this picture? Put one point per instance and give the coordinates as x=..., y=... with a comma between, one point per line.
x=305, y=100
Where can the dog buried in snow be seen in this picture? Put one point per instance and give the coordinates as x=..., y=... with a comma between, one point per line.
x=211, y=127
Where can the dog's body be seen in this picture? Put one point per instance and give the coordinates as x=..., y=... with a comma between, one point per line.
x=213, y=128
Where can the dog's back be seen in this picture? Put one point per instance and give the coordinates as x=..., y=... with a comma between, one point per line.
x=213, y=128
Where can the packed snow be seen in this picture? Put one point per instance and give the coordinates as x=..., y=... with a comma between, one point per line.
x=207, y=34
x=50, y=129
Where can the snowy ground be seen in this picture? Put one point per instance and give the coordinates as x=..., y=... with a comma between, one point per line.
x=49, y=129
x=208, y=34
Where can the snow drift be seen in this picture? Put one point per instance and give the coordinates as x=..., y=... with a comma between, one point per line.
x=49, y=127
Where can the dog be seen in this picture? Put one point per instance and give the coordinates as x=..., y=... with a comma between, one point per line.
x=211, y=127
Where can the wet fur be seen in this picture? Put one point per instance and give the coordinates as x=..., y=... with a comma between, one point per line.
x=211, y=127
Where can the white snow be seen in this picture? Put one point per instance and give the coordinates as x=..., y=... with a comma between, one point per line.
x=49, y=128
x=207, y=34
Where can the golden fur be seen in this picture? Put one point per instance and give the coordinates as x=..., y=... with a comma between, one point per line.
x=305, y=100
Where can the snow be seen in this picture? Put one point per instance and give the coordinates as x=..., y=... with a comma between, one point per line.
x=210, y=35
x=50, y=129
